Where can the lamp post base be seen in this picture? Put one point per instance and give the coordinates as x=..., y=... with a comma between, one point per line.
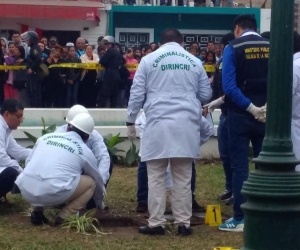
x=272, y=210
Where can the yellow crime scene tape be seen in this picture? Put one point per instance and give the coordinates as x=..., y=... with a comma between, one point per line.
x=91, y=66
x=9, y=67
x=87, y=66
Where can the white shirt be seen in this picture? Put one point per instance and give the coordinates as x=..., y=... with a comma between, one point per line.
x=296, y=91
x=10, y=151
x=54, y=167
x=99, y=149
x=295, y=129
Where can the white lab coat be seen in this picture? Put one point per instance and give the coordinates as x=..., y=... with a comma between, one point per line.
x=206, y=131
x=172, y=109
x=295, y=129
x=54, y=167
x=98, y=147
x=9, y=149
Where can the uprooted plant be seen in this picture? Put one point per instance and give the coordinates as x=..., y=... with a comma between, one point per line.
x=84, y=224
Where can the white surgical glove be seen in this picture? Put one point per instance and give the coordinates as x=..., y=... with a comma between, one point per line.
x=131, y=132
x=214, y=105
x=256, y=112
x=264, y=117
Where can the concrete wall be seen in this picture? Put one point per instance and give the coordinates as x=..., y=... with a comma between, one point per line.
x=265, y=20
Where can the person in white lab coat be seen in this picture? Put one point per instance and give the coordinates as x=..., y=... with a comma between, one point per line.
x=173, y=84
x=10, y=152
x=94, y=143
x=53, y=172
x=295, y=129
x=206, y=131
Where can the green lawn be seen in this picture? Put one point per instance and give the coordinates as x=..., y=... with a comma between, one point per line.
x=17, y=233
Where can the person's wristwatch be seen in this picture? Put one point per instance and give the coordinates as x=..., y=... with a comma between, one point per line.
x=129, y=124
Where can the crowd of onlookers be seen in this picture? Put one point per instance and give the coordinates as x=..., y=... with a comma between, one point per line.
x=64, y=87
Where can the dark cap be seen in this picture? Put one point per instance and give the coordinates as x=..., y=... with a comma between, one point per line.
x=53, y=40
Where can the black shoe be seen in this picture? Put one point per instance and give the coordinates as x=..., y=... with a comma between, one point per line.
x=152, y=231
x=229, y=202
x=184, y=231
x=38, y=218
x=58, y=221
x=142, y=208
x=196, y=206
x=225, y=196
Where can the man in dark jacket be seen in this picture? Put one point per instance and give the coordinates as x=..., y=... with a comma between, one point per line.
x=34, y=61
x=244, y=81
x=218, y=102
x=111, y=61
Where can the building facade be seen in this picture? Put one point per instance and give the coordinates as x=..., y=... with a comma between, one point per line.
x=65, y=19
x=131, y=25
x=134, y=26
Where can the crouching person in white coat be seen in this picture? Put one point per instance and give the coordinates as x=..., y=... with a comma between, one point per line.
x=94, y=143
x=52, y=175
x=10, y=152
x=169, y=80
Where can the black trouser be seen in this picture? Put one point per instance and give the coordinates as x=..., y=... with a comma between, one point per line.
x=1, y=89
x=87, y=95
x=109, y=91
x=91, y=203
x=7, y=180
x=34, y=90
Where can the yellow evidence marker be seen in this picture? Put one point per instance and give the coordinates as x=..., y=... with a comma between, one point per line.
x=213, y=216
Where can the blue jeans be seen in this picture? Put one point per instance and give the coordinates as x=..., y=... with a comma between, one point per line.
x=230, y=3
x=72, y=93
x=224, y=152
x=242, y=128
x=142, y=180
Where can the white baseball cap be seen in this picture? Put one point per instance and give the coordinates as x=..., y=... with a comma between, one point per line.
x=69, y=44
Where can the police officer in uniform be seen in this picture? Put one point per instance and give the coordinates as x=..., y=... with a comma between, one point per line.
x=111, y=60
x=173, y=84
x=34, y=61
x=244, y=79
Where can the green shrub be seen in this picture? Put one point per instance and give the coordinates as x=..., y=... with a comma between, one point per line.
x=111, y=142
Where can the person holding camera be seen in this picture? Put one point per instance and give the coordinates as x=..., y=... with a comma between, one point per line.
x=129, y=60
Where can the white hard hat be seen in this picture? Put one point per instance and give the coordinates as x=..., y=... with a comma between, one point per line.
x=84, y=122
x=108, y=39
x=75, y=110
